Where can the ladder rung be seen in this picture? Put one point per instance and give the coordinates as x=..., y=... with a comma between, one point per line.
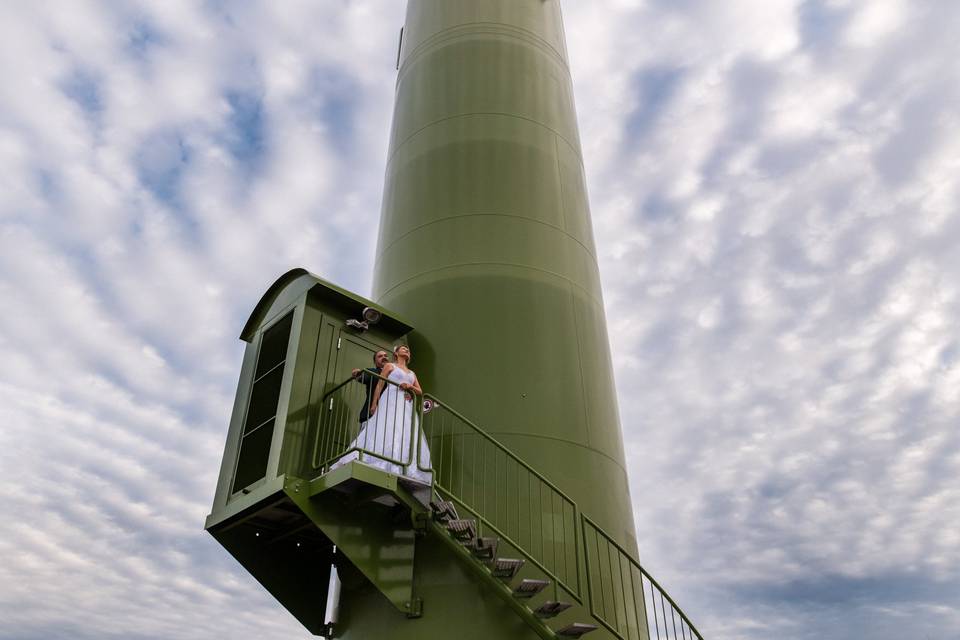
x=463, y=530
x=551, y=609
x=506, y=568
x=530, y=587
x=576, y=630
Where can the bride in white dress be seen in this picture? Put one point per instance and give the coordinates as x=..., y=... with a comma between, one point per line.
x=393, y=421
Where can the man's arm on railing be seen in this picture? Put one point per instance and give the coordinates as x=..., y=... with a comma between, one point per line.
x=364, y=376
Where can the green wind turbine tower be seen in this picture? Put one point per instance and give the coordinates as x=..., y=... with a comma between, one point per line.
x=496, y=504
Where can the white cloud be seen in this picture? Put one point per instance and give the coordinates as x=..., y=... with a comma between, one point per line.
x=774, y=190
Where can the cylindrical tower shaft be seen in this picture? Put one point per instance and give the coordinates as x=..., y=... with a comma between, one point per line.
x=486, y=246
x=486, y=242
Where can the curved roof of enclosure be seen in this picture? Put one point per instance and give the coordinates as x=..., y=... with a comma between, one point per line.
x=328, y=292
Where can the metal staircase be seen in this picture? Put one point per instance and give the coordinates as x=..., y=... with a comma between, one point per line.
x=514, y=529
x=481, y=555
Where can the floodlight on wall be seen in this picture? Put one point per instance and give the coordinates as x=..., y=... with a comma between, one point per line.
x=370, y=316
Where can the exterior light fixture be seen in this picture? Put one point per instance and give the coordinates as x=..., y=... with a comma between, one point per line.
x=370, y=316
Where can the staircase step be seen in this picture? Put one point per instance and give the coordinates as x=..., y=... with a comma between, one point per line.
x=551, y=608
x=444, y=510
x=486, y=548
x=575, y=630
x=530, y=587
x=506, y=568
x=463, y=530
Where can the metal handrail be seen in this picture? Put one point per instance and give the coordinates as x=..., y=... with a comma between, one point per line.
x=487, y=527
x=466, y=460
x=437, y=403
x=340, y=432
x=621, y=607
x=620, y=593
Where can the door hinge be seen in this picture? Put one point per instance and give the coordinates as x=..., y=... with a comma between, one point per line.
x=331, y=404
x=338, y=343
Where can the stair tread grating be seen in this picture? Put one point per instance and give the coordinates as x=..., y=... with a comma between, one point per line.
x=575, y=630
x=444, y=510
x=506, y=568
x=530, y=587
x=486, y=548
x=551, y=609
x=463, y=530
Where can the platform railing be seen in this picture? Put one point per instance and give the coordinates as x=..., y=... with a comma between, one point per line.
x=509, y=499
x=626, y=599
x=386, y=435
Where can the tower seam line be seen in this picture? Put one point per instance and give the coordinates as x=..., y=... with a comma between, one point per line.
x=472, y=215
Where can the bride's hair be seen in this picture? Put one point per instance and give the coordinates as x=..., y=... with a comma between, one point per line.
x=397, y=348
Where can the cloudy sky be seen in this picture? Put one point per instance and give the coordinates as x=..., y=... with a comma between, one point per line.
x=774, y=187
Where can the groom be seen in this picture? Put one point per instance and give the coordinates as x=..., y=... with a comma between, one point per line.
x=370, y=381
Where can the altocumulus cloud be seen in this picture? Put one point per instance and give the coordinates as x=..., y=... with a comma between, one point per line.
x=775, y=198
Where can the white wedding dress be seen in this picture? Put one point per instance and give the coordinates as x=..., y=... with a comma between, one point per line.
x=389, y=433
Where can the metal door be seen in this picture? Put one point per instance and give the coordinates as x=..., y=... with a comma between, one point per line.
x=341, y=410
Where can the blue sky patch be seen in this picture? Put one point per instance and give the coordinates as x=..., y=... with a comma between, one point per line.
x=83, y=88
x=161, y=163
x=655, y=86
x=246, y=136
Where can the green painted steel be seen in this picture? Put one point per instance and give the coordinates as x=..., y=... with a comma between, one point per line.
x=285, y=538
x=321, y=349
x=485, y=247
x=513, y=511
x=379, y=544
x=486, y=243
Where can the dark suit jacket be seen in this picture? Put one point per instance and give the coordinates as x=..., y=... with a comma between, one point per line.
x=370, y=382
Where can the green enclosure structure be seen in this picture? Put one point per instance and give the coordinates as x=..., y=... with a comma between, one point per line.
x=495, y=504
